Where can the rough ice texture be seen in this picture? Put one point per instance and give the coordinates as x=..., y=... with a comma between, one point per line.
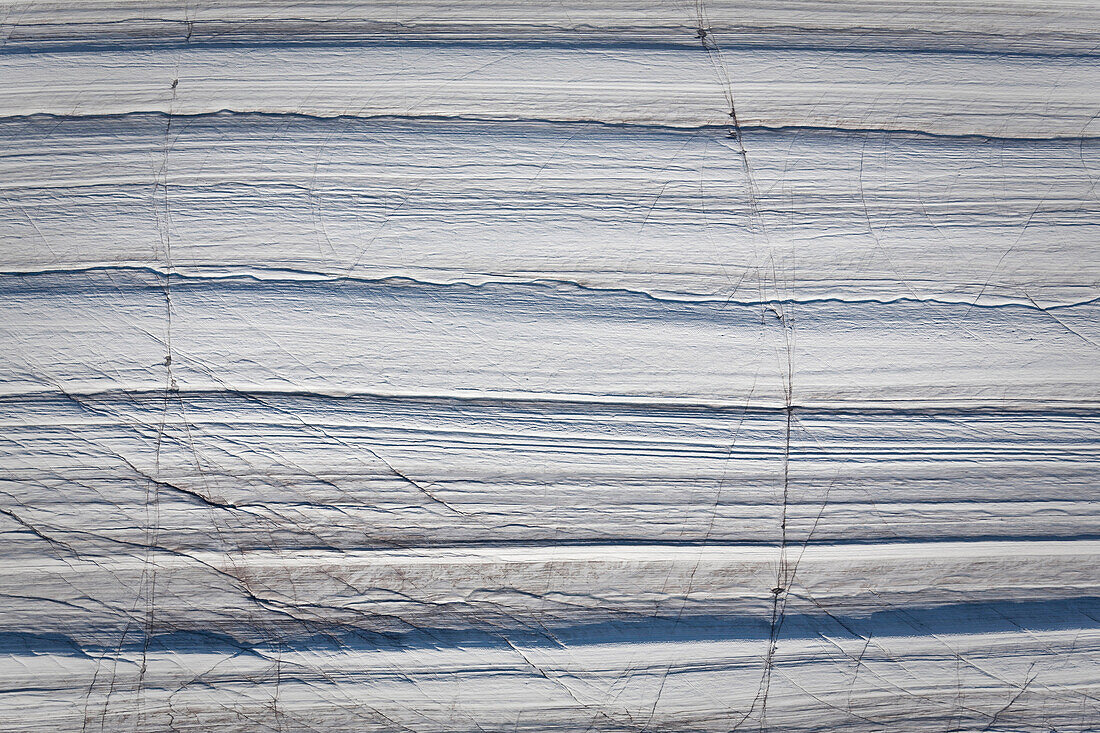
x=465, y=366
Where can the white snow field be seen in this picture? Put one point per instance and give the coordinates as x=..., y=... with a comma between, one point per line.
x=467, y=366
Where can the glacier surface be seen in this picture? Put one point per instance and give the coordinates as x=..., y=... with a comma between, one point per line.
x=498, y=366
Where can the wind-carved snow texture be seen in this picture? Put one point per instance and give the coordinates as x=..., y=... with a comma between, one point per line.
x=626, y=366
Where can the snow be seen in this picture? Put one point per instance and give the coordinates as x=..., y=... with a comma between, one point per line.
x=466, y=366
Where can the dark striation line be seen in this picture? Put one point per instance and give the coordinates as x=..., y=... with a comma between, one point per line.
x=289, y=33
x=615, y=403
x=977, y=617
x=722, y=128
x=550, y=543
x=315, y=279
